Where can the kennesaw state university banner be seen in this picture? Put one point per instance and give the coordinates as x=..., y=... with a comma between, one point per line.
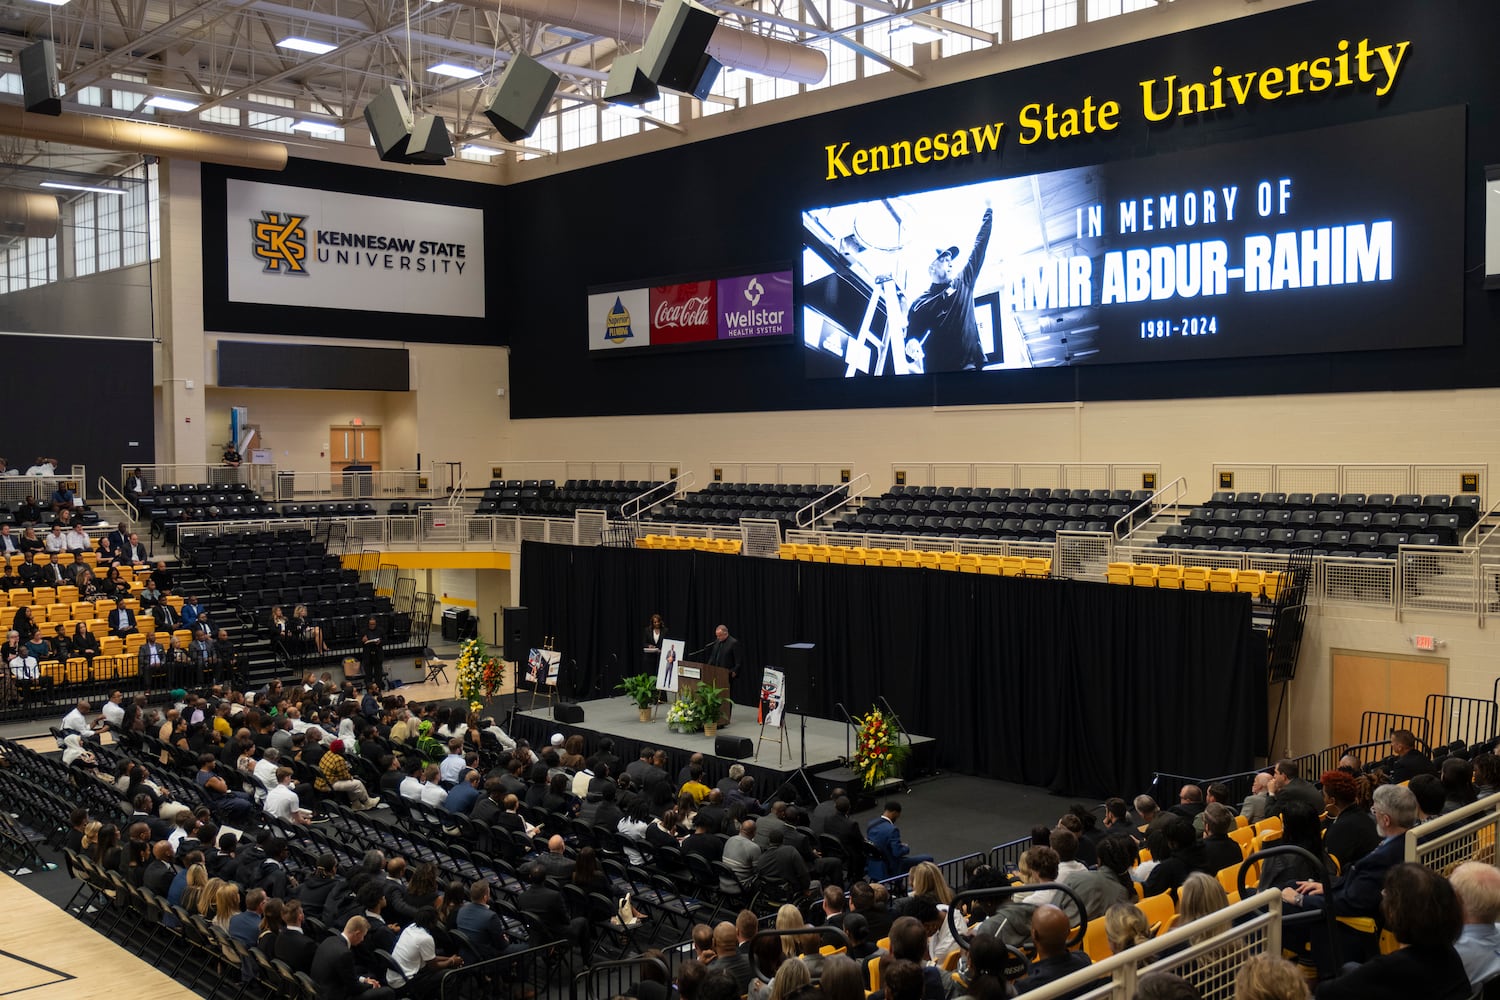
x=298, y=246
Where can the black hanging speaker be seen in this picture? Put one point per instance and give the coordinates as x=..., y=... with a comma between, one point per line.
x=673, y=54
x=389, y=120
x=567, y=713
x=42, y=93
x=708, y=73
x=516, y=649
x=736, y=747
x=521, y=97
x=429, y=143
x=627, y=84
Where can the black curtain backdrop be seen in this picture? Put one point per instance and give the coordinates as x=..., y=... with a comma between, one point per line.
x=1082, y=688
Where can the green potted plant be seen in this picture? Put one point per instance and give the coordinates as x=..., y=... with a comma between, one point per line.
x=710, y=700
x=640, y=689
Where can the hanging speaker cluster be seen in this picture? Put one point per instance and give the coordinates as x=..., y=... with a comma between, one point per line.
x=400, y=137
x=521, y=97
x=675, y=56
x=39, y=87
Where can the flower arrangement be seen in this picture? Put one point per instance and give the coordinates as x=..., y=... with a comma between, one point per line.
x=479, y=673
x=879, y=750
x=683, y=716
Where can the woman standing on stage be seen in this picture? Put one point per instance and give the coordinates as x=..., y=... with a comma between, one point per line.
x=654, y=635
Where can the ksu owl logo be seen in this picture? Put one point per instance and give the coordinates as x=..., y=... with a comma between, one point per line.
x=617, y=323
x=280, y=242
x=754, y=291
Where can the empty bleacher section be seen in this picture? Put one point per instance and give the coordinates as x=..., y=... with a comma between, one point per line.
x=169, y=504
x=1348, y=525
x=543, y=497
x=1017, y=514
x=255, y=571
x=727, y=503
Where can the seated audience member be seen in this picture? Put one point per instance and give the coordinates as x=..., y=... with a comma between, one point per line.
x=333, y=968
x=1287, y=785
x=1177, y=853
x=1429, y=794
x=895, y=854
x=1270, y=977
x=1350, y=832
x=1219, y=851
x=1421, y=909
x=1165, y=986
x=1049, y=930
x=1125, y=927
x=1356, y=893
x=727, y=960
x=1409, y=761
x=1299, y=828
x=1457, y=778
x=1478, y=887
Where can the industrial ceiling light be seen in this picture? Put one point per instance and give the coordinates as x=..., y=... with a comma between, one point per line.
x=171, y=103
x=298, y=44
x=454, y=70
x=60, y=186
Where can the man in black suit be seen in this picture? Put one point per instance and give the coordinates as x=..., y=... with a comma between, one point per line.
x=704, y=840
x=293, y=946
x=333, y=966
x=603, y=813
x=159, y=873
x=372, y=900
x=727, y=958
x=1410, y=761
x=842, y=827
x=30, y=573
x=781, y=865
x=121, y=620
x=165, y=616
x=712, y=812
x=1287, y=786
x=725, y=651
x=547, y=907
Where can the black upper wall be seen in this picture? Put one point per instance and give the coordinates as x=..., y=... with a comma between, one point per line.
x=733, y=204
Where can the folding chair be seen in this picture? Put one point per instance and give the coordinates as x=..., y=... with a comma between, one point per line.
x=436, y=668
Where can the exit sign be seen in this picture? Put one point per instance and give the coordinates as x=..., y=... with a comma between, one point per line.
x=1425, y=643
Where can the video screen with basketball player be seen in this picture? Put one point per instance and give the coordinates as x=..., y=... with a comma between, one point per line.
x=1348, y=238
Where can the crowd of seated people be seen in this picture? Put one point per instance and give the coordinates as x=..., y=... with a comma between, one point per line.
x=266, y=762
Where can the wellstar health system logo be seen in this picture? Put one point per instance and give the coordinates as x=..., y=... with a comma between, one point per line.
x=280, y=242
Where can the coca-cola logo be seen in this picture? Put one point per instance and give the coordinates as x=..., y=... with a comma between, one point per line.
x=692, y=311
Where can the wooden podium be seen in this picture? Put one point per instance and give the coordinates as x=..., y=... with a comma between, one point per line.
x=691, y=672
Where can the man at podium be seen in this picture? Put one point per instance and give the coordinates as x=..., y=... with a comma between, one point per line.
x=725, y=651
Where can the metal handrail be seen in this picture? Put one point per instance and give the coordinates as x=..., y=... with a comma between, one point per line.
x=633, y=508
x=456, y=495
x=1179, y=488
x=862, y=481
x=1472, y=538
x=111, y=497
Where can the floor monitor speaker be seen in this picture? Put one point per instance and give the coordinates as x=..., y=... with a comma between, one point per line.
x=736, y=747
x=521, y=97
x=516, y=649
x=42, y=94
x=567, y=713
x=389, y=120
x=673, y=54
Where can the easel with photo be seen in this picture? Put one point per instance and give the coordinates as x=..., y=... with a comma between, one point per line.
x=772, y=712
x=544, y=668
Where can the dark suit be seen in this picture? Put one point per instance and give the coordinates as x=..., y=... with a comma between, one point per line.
x=727, y=654
x=296, y=950
x=144, y=659
x=1432, y=975
x=333, y=970
x=121, y=621
x=1409, y=765
x=784, y=867
x=485, y=931
x=9, y=544
x=549, y=909
x=135, y=554
x=1351, y=836
x=736, y=967
x=1297, y=790
x=166, y=619
x=1356, y=893
x=158, y=877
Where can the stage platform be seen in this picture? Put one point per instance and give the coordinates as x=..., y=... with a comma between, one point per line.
x=827, y=741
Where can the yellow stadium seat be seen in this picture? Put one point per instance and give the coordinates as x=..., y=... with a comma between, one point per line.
x=1272, y=583
x=133, y=642
x=4, y=599
x=102, y=608
x=1241, y=822
x=1243, y=836
x=43, y=559
x=931, y=560
x=1194, y=578
x=1118, y=572
x=1269, y=823
x=790, y=551
x=43, y=596
x=1095, y=941
x=183, y=636
x=59, y=612
x=67, y=594
x=1041, y=568
x=818, y=553
x=892, y=557
x=968, y=563
x=111, y=645
x=1159, y=908
x=1169, y=577
x=1249, y=581
x=1143, y=575
x=1221, y=581
x=90, y=559
x=991, y=565
x=910, y=559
